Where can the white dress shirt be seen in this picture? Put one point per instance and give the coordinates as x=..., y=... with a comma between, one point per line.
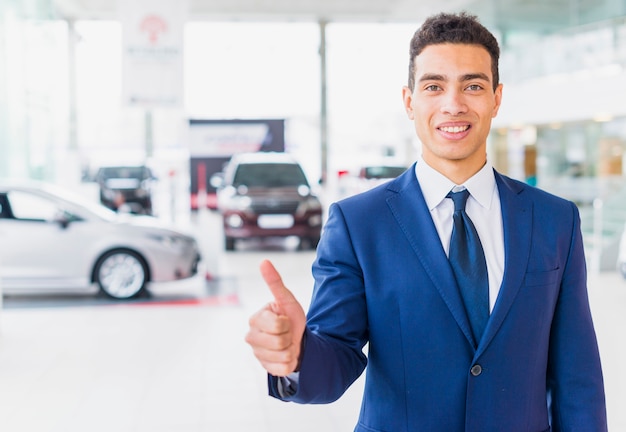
x=482, y=207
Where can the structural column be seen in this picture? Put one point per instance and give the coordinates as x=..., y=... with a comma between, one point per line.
x=4, y=109
x=323, y=103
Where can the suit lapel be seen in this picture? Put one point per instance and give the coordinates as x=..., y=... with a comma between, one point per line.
x=517, y=226
x=409, y=208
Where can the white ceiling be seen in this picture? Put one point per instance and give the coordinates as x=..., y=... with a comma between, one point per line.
x=505, y=15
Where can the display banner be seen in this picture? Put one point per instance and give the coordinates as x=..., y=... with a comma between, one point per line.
x=152, y=44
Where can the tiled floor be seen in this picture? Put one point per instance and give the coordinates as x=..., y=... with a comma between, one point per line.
x=184, y=367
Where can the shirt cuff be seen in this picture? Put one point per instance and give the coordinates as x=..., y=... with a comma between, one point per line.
x=288, y=386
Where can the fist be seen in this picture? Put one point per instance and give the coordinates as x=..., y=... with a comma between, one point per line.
x=275, y=332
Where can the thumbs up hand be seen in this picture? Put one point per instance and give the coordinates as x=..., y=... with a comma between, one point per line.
x=276, y=331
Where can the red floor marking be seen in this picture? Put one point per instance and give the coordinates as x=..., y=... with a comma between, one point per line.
x=228, y=300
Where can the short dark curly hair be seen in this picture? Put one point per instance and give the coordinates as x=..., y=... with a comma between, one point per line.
x=461, y=28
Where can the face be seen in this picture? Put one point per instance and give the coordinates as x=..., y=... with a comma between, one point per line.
x=451, y=106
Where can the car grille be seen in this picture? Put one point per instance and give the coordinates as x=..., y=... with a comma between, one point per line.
x=129, y=193
x=275, y=207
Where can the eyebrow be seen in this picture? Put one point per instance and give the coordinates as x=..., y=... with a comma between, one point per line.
x=462, y=78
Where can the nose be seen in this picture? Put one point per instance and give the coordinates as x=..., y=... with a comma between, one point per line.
x=453, y=103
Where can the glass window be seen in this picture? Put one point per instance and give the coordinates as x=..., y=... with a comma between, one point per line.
x=32, y=207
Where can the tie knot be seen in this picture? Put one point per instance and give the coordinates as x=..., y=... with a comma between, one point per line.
x=459, y=199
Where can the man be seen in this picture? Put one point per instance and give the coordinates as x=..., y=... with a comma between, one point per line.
x=386, y=275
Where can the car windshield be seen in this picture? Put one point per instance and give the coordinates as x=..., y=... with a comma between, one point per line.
x=76, y=201
x=269, y=175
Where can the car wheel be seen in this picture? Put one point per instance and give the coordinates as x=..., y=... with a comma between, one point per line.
x=121, y=274
x=229, y=243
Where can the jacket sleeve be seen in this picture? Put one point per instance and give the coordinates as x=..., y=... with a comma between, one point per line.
x=574, y=376
x=336, y=330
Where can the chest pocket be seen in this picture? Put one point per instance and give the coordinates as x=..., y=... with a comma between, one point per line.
x=549, y=277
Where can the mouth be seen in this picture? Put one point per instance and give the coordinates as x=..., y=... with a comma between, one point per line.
x=454, y=129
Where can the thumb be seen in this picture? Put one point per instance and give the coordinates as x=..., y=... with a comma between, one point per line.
x=285, y=304
x=282, y=296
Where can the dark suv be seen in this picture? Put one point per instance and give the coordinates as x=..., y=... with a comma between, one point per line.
x=126, y=187
x=266, y=194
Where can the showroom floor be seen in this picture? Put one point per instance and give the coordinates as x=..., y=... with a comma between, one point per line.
x=177, y=361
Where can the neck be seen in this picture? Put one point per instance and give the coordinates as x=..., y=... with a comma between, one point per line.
x=457, y=171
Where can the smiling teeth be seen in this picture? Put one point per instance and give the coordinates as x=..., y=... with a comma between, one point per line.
x=455, y=129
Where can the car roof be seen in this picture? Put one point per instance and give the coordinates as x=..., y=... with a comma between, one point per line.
x=56, y=192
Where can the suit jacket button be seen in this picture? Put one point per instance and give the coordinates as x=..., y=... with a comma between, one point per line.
x=476, y=370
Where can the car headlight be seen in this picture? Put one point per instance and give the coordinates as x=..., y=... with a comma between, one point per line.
x=315, y=220
x=239, y=202
x=304, y=190
x=142, y=193
x=231, y=198
x=234, y=221
x=171, y=241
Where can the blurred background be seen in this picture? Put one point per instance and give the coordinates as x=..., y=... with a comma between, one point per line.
x=164, y=92
x=182, y=85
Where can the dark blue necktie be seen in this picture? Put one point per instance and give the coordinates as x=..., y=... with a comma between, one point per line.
x=467, y=259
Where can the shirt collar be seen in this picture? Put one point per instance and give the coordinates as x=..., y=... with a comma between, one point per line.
x=435, y=186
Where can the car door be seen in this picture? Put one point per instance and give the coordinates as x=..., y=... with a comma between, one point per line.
x=36, y=249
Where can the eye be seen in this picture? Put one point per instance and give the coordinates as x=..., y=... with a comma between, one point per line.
x=474, y=87
x=432, y=88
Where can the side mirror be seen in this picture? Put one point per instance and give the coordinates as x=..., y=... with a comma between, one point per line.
x=217, y=180
x=62, y=219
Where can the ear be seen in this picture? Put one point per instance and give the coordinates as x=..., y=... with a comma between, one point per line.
x=407, y=99
x=498, y=100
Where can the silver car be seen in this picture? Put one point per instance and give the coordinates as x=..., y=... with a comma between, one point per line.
x=51, y=240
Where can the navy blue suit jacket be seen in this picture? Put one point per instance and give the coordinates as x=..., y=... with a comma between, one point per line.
x=382, y=279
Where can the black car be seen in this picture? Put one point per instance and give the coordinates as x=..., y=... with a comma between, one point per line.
x=127, y=188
